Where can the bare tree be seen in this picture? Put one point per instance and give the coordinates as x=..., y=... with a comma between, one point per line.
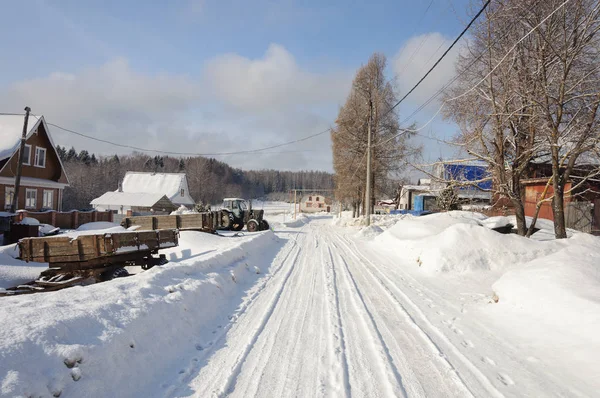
x=370, y=89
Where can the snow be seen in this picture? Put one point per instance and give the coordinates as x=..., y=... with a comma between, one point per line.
x=139, y=199
x=183, y=210
x=405, y=307
x=98, y=225
x=29, y=221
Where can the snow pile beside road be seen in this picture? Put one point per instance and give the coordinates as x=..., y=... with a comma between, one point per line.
x=99, y=339
x=457, y=242
x=300, y=220
x=556, y=299
x=370, y=231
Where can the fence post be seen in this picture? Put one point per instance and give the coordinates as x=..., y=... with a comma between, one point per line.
x=75, y=219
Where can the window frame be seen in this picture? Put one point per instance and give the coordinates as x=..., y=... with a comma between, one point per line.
x=27, y=192
x=182, y=192
x=35, y=163
x=8, y=203
x=28, y=163
x=44, y=204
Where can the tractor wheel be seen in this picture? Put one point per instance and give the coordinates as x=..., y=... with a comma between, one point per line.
x=252, y=226
x=226, y=220
x=238, y=226
x=264, y=225
x=115, y=273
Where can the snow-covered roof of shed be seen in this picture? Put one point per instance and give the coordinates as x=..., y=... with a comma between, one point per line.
x=168, y=184
x=11, y=129
x=139, y=199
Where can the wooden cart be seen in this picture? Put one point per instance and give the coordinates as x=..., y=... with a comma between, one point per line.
x=87, y=259
x=205, y=222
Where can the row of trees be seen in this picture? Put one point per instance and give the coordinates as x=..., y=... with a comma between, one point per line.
x=537, y=63
x=368, y=108
x=209, y=179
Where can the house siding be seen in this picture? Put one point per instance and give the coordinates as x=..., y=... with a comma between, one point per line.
x=22, y=197
x=52, y=170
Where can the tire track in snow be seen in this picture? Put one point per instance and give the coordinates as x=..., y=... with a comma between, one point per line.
x=235, y=372
x=405, y=301
x=334, y=294
x=383, y=360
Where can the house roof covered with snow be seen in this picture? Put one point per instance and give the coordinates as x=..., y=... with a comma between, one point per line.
x=170, y=184
x=11, y=129
x=137, y=199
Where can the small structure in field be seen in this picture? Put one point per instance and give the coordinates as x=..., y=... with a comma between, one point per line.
x=315, y=203
x=143, y=193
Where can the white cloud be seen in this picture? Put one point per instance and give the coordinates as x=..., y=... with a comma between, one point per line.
x=261, y=102
x=274, y=82
x=418, y=54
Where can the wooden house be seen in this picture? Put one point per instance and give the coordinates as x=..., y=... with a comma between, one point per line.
x=43, y=176
x=315, y=203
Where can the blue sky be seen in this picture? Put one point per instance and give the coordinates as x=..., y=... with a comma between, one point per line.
x=209, y=76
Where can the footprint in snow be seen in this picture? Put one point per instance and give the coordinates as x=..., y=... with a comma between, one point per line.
x=468, y=343
x=489, y=361
x=505, y=379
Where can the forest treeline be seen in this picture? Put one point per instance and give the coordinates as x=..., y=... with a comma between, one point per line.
x=209, y=180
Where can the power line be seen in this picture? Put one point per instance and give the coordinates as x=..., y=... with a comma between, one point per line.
x=477, y=84
x=443, y=55
x=248, y=151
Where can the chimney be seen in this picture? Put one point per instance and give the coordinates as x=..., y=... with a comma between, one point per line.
x=120, y=186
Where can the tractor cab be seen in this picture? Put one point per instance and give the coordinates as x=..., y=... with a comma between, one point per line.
x=236, y=206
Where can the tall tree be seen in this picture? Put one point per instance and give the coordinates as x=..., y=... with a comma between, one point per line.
x=372, y=97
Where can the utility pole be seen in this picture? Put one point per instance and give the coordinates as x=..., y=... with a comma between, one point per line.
x=368, y=188
x=294, y=204
x=14, y=203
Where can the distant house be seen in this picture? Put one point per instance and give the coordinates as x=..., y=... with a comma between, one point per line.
x=43, y=176
x=472, y=180
x=147, y=193
x=315, y=203
x=408, y=194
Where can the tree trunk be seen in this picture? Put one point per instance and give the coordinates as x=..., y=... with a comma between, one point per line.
x=558, y=209
x=520, y=216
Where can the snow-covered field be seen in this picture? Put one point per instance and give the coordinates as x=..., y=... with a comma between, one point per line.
x=321, y=307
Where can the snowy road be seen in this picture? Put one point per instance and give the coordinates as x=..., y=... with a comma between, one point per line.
x=330, y=322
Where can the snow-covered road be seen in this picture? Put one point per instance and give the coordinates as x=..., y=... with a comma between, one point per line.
x=332, y=322
x=320, y=307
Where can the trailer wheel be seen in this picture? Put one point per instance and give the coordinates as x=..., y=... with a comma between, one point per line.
x=252, y=226
x=116, y=273
x=264, y=225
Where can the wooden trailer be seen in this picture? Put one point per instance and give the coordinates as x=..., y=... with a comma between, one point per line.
x=87, y=259
x=206, y=222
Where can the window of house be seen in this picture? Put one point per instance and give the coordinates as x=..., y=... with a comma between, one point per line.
x=40, y=157
x=317, y=199
x=308, y=204
x=27, y=155
x=310, y=198
x=182, y=192
x=31, y=198
x=9, y=193
x=48, y=199
x=320, y=205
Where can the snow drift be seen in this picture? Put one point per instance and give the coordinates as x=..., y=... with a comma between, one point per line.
x=77, y=341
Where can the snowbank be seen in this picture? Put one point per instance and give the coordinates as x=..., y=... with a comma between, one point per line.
x=300, y=220
x=370, y=231
x=76, y=342
x=459, y=241
x=557, y=300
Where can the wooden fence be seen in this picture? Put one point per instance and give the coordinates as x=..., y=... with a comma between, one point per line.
x=65, y=220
